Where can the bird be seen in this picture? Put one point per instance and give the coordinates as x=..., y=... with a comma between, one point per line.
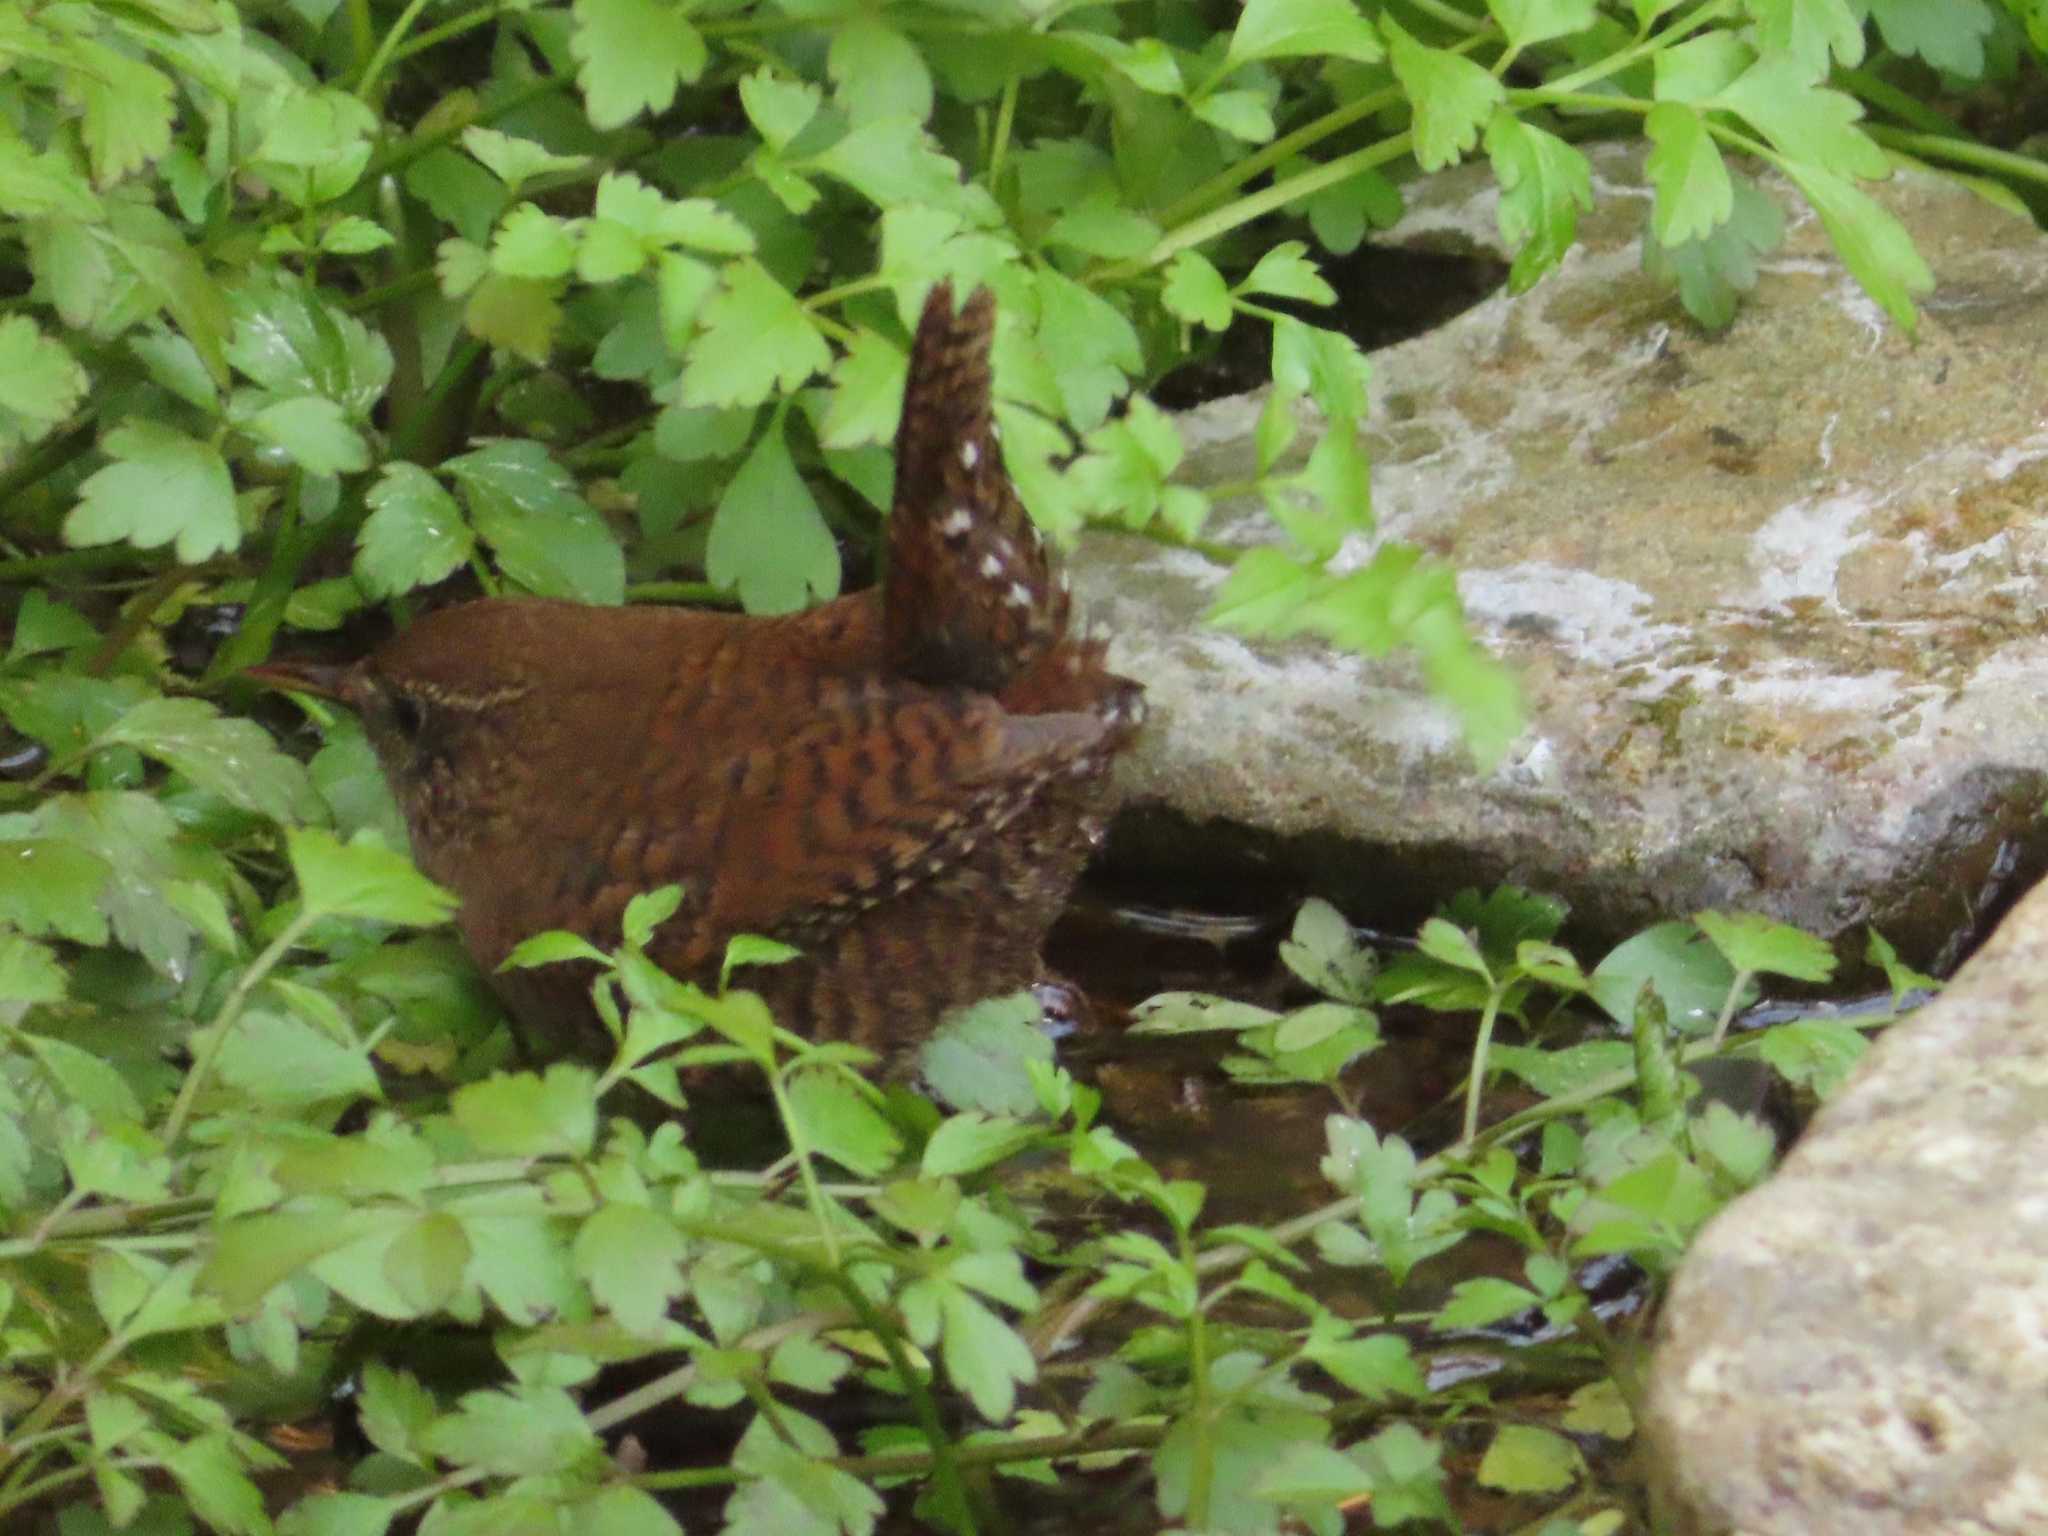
x=902, y=784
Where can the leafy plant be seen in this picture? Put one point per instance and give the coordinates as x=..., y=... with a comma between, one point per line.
x=240, y=1222
x=314, y=304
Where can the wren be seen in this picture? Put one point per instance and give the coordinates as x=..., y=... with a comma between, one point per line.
x=903, y=784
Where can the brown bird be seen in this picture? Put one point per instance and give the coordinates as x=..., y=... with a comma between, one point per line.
x=903, y=783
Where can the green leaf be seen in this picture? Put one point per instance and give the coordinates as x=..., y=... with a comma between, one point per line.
x=340, y=1514
x=1555, y=1073
x=1544, y=183
x=1741, y=1144
x=516, y=161
x=1101, y=227
x=42, y=624
x=362, y=878
x=623, y=1510
x=1753, y=942
x=1324, y=952
x=631, y=1257
x=1525, y=1458
x=1809, y=123
x=533, y=244
x=768, y=540
x=1688, y=972
x=1407, y=1479
x=1808, y=32
x=1873, y=244
x=127, y=108
x=1712, y=273
x=978, y=1059
x=1450, y=94
x=633, y=53
x=1600, y=1408
x=545, y=535
x=1527, y=22
x=970, y=1142
x=174, y=363
x=293, y=342
x=211, y=1475
x=1948, y=34
x=1694, y=194
x=1377, y=1367
x=1246, y=115
x=353, y=235
x=1812, y=1053
x=1287, y=272
x=235, y=759
x=1324, y=364
x=778, y=108
x=1451, y=945
x=1701, y=67
x=984, y=1356
x=1901, y=977
x=1088, y=343
x=878, y=72
x=162, y=488
x=528, y=1114
x=838, y=1120
x=427, y=1261
x=522, y=1432
x=868, y=393
x=1195, y=291
x=1309, y=1475
x=893, y=161
x=414, y=535
x=396, y=1411
x=283, y=1063
x=516, y=313
x=40, y=382
x=757, y=339
x=34, y=184
x=315, y=432
x=1293, y=29
x=1478, y=1303
x=29, y=973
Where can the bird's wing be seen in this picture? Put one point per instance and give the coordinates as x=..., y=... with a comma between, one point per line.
x=885, y=787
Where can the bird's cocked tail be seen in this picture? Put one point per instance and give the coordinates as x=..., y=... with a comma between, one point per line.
x=972, y=595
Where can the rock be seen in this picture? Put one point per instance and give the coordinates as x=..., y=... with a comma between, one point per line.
x=1861, y=1345
x=1774, y=594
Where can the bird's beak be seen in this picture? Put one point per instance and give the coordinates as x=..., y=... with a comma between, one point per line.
x=323, y=680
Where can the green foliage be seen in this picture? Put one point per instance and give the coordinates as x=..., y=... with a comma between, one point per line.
x=225, y=1216
x=312, y=306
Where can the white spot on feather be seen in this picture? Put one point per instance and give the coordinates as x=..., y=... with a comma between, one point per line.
x=1019, y=595
x=991, y=566
x=957, y=522
x=969, y=454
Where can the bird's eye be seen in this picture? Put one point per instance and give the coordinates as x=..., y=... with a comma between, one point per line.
x=407, y=715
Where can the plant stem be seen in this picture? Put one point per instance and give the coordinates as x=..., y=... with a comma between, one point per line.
x=1202, y=1460
x=1450, y=16
x=1728, y=1006
x=1198, y=231
x=800, y=1148
x=999, y=145
x=231, y=1011
x=433, y=37
x=1487, y=1019
x=52, y=456
x=945, y=1455
x=382, y=56
x=1281, y=149
x=1982, y=157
